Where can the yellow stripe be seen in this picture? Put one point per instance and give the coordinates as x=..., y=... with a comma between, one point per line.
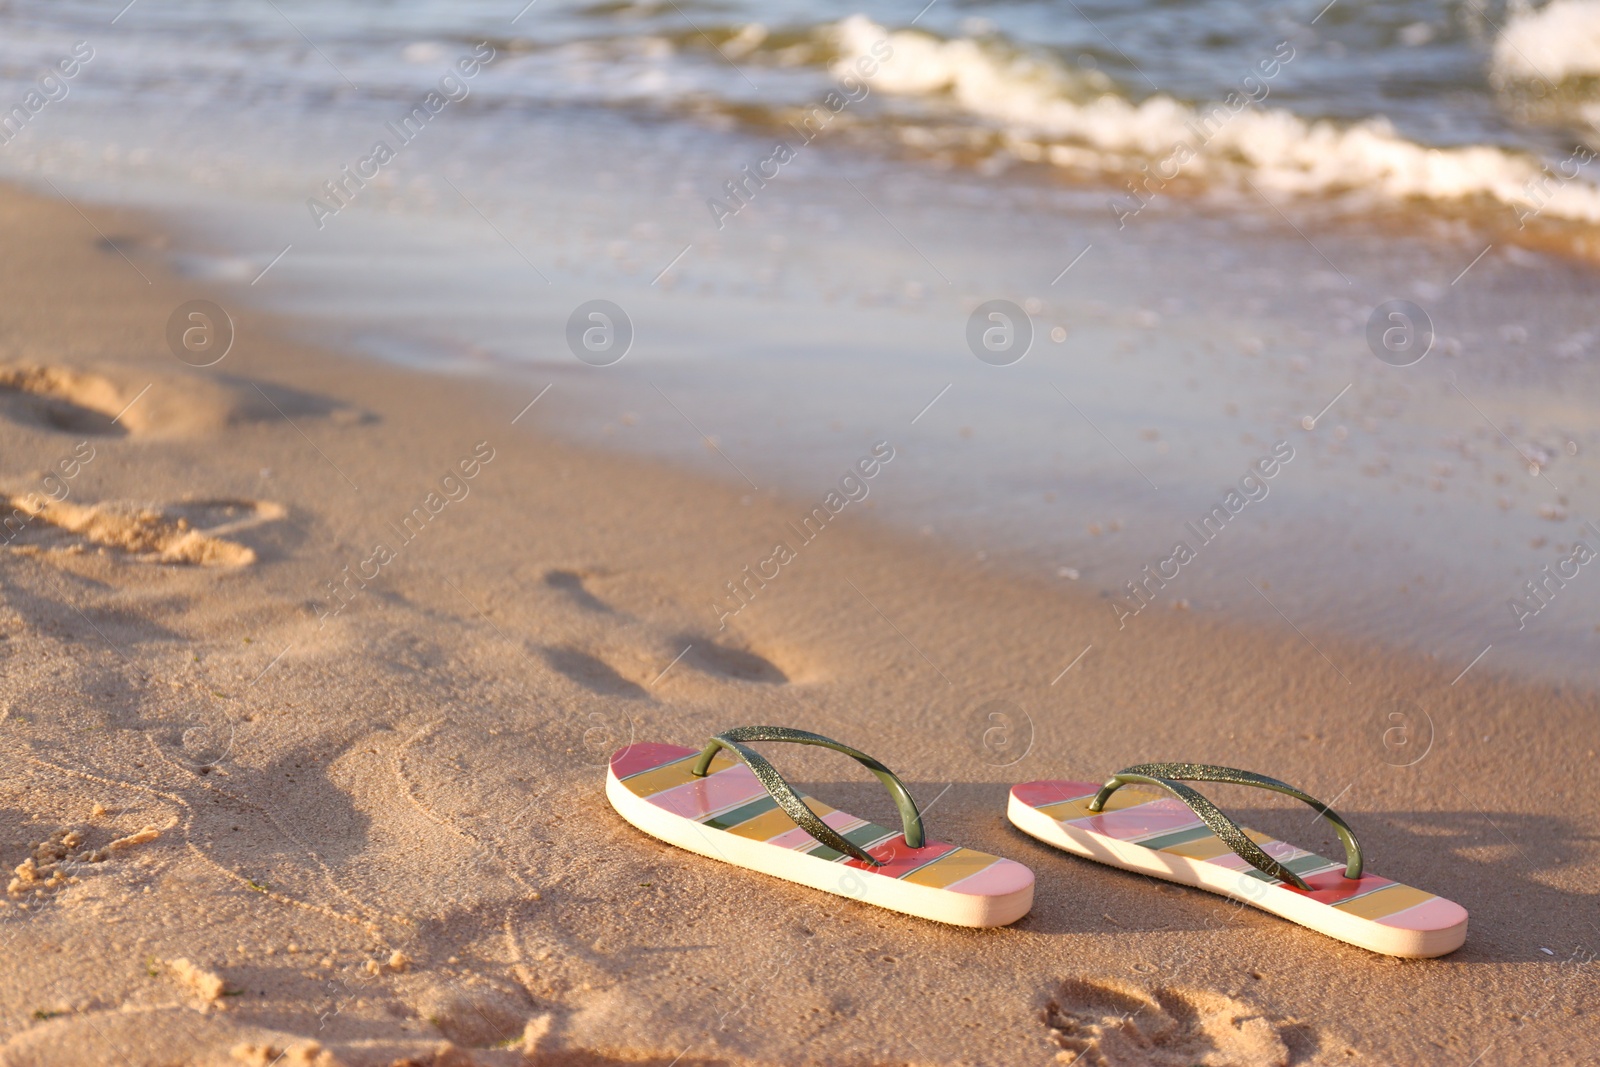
x=1202, y=848
x=1067, y=810
x=951, y=868
x=770, y=824
x=646, y=783
x=1385, y=901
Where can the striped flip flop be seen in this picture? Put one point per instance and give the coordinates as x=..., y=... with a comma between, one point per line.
x=1182, y=837
x=728, y=802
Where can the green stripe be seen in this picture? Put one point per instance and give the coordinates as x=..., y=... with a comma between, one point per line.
x=862, y=836
x=1177, y=837
x=729, y=819
x=1309, y=862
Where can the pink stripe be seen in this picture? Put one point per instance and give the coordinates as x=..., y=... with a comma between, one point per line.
x=799, y=839
x=1143, y=820
x=997, y=879
x=1230, y=861
x=1435, y=914
x=645, y=757
x=703, y=796
x=1038, y=794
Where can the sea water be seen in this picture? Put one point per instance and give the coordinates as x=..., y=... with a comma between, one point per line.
x=1194, y=216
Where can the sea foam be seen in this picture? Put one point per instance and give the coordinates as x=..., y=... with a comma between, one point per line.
x=1051, y=113
x=1558, y=41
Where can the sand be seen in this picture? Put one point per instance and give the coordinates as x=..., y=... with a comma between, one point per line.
x=305, y=728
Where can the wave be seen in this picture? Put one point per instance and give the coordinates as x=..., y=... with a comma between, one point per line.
x=1040, y=110
x=979, y=97
x=1559, y=41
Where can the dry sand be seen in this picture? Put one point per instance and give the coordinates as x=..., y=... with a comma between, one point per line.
x=247, y=829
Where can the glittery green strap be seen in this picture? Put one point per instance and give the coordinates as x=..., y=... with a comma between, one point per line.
x=789, y=800
x=1170, y=776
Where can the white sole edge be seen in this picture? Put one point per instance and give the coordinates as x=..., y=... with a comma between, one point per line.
x=1314, y=915
x=926, y=902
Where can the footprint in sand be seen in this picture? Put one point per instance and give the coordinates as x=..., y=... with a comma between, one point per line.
x=725, y=661
x=575, y=585
x=1109, y=1023
x=193, y=532
x=593, y=673
x=633, y=666
x=118, y=401
x=61, y=399
x=640, y=672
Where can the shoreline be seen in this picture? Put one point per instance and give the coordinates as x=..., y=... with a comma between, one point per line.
x=1412, y=520
x=389, y=831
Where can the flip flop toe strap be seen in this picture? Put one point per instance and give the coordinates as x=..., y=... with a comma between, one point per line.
x=1171, y=776
x=790, y=801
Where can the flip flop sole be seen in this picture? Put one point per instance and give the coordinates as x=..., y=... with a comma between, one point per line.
x=1153, y=834
x=728, y=815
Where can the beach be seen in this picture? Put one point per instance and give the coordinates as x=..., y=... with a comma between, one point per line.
x=378, y=834
x=404, y=409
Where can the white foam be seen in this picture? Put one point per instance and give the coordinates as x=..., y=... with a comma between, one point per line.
x=1560, y=40
x=1050, y=113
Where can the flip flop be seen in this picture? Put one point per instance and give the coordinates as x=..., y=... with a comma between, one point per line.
x=1188, y=840
x=729, y=803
